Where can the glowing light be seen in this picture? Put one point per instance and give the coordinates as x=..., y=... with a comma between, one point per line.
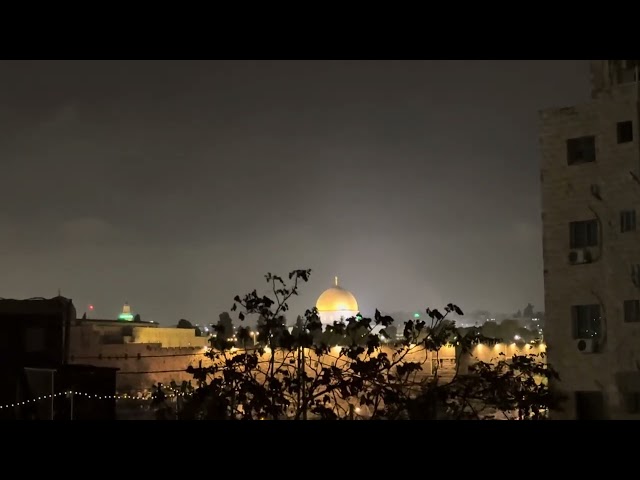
x=126, y=314
x=357, y=409
x=516, y=338
x=90, y=307
x=416, y=315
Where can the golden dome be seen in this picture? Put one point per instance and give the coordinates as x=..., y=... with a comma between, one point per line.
x=337, y=299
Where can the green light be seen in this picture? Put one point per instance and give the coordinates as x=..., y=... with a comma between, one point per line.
x=126, y=317
x=416, y=315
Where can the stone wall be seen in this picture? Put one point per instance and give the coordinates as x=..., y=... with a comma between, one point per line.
x=500, y=351
x=143, y=355
x=169, y=337
x=143, y=365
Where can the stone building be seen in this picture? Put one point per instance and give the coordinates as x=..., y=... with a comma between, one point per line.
x=590, y=180
x=143, y=352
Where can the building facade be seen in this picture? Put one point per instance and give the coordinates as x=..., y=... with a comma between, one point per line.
x=145, y=354
x=590, y=180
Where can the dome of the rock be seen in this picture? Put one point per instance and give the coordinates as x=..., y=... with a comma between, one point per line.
x=335, y=304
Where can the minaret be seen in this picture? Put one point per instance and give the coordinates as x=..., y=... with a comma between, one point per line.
x=336, y=280
x=126, y=313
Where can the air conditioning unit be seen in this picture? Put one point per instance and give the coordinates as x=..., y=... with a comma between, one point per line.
x=576, y=257
x=580, y=256
x=587, y=345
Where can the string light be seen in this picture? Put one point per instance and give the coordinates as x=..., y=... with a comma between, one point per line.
x=176, y=393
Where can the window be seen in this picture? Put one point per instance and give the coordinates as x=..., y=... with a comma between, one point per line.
x=590, y=406
x=35, y=339
x=625, y=131
x=632, y=311
x=581, y=150
x=629, y=71
x=586, y=321
x=631, y=402
x=628, y=221
x=583, y=234
x=635, y=274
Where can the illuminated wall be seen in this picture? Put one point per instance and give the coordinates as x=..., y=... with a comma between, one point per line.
x=500, y=351
x=143, y=364
x=143, y=355
x=168, y=337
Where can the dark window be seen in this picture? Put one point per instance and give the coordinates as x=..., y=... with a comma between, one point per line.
x=631, y=402
x=581, y=150
x=35, y=339
x=583, y=234
x=590, y=406
x=632, y=311
x=586, y=321
x=628, y=221
x=625, y=132
x=635, y=275
x=629, y=71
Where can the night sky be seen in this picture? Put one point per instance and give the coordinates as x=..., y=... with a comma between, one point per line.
x=176, y=185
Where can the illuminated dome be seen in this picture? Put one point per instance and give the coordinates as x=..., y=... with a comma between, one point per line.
x=335, y=304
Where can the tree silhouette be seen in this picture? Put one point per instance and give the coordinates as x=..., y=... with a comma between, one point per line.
x=184, y=324
x=528, y=311
x=224, y=327
x=304, y=374
x=392, y=332
x=490, y=329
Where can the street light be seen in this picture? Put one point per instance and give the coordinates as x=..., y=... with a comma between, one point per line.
x=253, y=334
